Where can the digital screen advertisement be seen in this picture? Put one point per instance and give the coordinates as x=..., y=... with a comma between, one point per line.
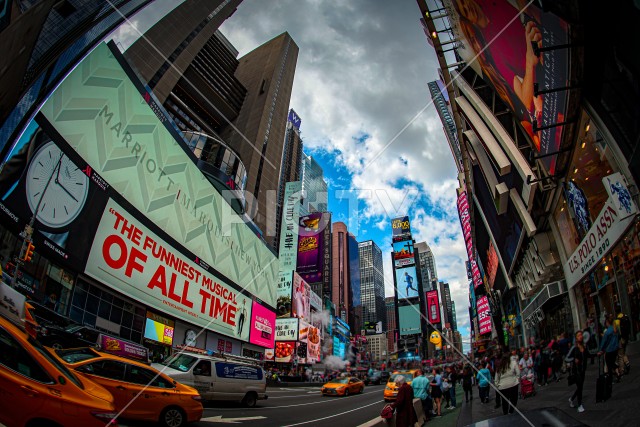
x=406, y=282
x=158, y=332
x=403, y=254
x=133, y=260
x=484, y=315
x=301, y=294
x=497, y=35
x=433, y=307
x=311, y=246
x=139, y=156
x=401, y=228
x=263, y=325
x=409, y=317
x=465, y=223
x=287, y=329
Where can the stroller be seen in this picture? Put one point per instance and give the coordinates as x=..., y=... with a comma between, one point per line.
x=527, y=388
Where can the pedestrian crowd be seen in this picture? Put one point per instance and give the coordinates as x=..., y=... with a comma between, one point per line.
x=514, y=373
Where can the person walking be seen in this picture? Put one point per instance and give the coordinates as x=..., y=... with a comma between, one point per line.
x=420, y=386
x=609, y=347
x=453, y=379
x=405, y=414
x=446, y=387
x=484, y=379
x=577, y=360
x=507, y=380
x=436, y=391
x=622, y=324
x=466, y=383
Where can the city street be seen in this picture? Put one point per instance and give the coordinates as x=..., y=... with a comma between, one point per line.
x=296, y=406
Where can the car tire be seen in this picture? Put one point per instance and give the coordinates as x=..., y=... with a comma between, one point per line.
x=173, y=417
x=250, y=400
x=346, y=393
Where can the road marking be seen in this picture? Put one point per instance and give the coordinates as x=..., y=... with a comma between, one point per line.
x=336, y=415
x=219, y=419
x=315, y=403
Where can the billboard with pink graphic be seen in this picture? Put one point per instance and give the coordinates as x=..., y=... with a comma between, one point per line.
x=263, y=324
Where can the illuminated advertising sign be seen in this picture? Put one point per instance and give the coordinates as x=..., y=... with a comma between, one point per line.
x=130, y=258
x=409, y=317
x=263, y=324
x=433, y=307
x=138, y=154
x=284, y=351
x=406, y=282
x=311, y=246
x=315, y=301
x=465, y=222
x=294, y=119
x=43, y=171
x=472, y=301
x=284, y=288
x=498, y=35
x=157, y=331
x=121, y=348
x=301, y=295
x=287, y=329
x=401, y=228
x=484, y=315
x=403, y=253
x=289, y=229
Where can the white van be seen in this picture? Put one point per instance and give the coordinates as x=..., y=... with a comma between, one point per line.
x=218, y=378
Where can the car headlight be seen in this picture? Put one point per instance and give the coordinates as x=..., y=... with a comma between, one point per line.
x=388, y=388
x=340, y=388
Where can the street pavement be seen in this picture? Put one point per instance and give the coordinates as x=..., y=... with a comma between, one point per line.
x=621, y=410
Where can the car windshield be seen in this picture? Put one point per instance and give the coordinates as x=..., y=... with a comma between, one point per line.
x=407, y=376
x=183, y=362
x=55, y=362
x=340, y=381
x=76, y=355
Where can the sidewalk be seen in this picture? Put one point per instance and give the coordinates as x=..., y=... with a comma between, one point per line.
x=621, y=410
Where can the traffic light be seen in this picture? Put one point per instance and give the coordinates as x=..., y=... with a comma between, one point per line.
x=29, y=252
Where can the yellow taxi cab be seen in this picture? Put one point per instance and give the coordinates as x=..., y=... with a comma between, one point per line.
x=140, y=391
x=37, y=389
x=391, y=390
x=342, y=386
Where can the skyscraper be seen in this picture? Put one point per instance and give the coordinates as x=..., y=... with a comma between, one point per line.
x=291, y=166
x=454, y=320
x=340, y=295
x=441, y=101
x=427, y=266
x=355, y=308
x=41, y=41
x=390, y=308
x=447, y=308
x=372, y=284
x=314, y=186
x=240, y=104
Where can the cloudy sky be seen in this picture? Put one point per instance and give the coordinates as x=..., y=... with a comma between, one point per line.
x=361, y=91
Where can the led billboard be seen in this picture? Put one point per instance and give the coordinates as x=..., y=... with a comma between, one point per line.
x=498, y=36
x=136, y=151
x=409, y=316
x=433, y=307
x=403, y=253
x=137, y=262
x=301, y=293
x=465, y=223
x=263, y=325
x=484, y=315
x=311, y=246
x=406, y=282
x=401, y=228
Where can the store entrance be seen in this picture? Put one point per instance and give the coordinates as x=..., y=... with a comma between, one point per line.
x=157, y=351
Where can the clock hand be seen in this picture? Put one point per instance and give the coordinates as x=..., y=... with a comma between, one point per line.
x=67, y=191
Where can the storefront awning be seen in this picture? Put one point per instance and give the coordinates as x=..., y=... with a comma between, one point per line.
x=533, y=313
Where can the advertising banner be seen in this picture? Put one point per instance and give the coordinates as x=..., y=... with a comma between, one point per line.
x=289, y=228
x=465, y=222
x=498, y=36
x=406, y=282
x=263, y=325
x=130, y=258
x=484, y=315
x=409, y=317
x=311, y=246
x=284, y=351
x=403, y=253
x=239, y=372
x=157, y=331
x=401, y=229
x=301, y=294
x=315, y=301
x=326, y=263
x=433, y=307
x=287, y=329
x=48, y=175
x=284, y=289
x=121, y=348
x=294, y=119
x=617, y=214
x=138, y=154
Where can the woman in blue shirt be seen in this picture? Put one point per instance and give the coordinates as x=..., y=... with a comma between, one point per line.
x=609, y=346
x=484, y=379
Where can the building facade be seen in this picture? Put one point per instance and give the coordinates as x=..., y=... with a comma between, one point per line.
x=372, y=284
x=341, y=296
x=427, y=266
x=377, y=347
x=447, y=305
x=314, y=186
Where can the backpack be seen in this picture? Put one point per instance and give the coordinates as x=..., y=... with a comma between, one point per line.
x=625, y=327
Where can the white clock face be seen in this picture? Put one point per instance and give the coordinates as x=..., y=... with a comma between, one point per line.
x=67, y=192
